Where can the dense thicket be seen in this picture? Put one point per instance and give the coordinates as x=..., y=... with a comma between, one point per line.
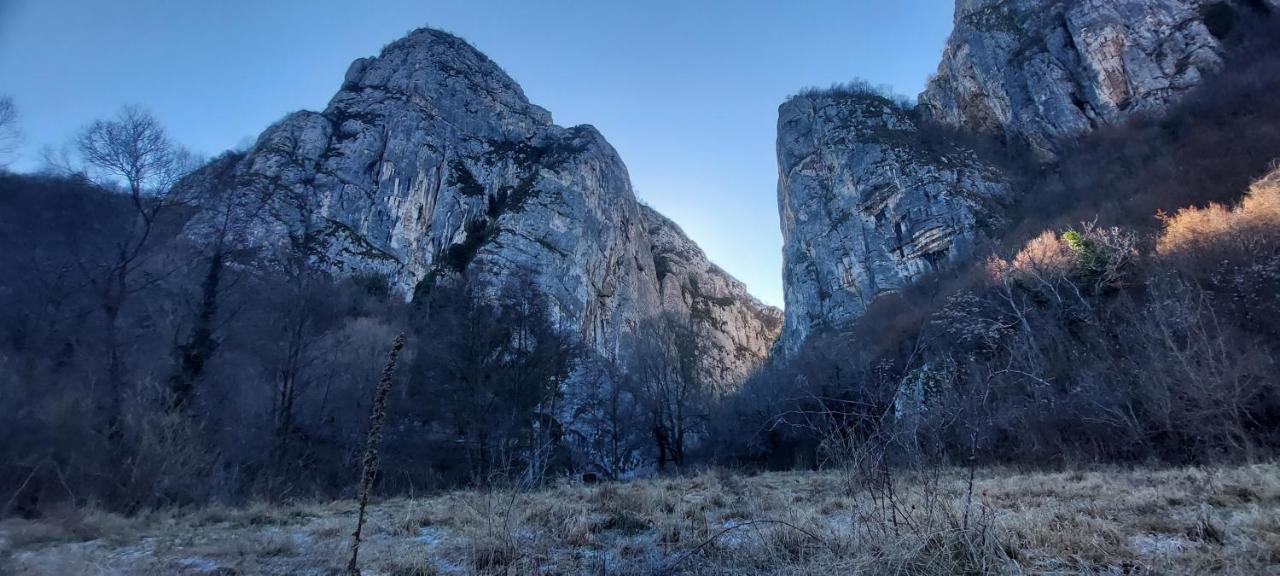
x=146, y=361
x=242, y=375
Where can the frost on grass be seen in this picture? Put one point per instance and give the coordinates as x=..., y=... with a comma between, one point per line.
x=1184, y=520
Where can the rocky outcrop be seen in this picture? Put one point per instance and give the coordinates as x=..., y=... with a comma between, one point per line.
x=1040, y=71
x=735, y=330
x=430, y=162
x=868, y=204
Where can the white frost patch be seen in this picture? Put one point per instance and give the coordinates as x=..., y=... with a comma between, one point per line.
x=429, y=536
x=604, y=561
x=1158, y=544
x=432, y=538
x=733, y=537
x=199, y=564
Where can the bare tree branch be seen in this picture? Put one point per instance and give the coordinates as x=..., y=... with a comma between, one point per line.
x=10, y=137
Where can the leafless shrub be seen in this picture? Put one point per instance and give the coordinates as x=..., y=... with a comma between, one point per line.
x=1247, y=230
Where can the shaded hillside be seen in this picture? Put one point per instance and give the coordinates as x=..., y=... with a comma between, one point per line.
x=1067, y=334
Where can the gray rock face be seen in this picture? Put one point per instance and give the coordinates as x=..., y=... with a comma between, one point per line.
x=430, y=161
x=868, y=204
x=736, y=329
x=1038, y=71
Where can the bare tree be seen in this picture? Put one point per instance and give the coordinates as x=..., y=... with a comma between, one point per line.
x=9, y=135
x=132, y=149
x=668, y=382
x=223, y=226
x=607, y=419
x=135, y=149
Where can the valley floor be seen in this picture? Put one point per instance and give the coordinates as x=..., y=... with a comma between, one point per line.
x=1139, y=521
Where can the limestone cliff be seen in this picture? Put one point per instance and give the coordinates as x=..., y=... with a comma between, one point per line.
x=430, y=161
x=1040, y=71
x=868, y=204
x=736, y=330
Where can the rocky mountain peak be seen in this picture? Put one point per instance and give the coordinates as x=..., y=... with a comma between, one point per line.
x=430, y=164
x=445, y=77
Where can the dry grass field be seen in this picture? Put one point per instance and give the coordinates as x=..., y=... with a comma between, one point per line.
x=1165, y=521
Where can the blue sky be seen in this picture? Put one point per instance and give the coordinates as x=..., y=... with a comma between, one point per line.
x=687, y=91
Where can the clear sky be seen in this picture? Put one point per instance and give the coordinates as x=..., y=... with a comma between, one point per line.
x=686, y=90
